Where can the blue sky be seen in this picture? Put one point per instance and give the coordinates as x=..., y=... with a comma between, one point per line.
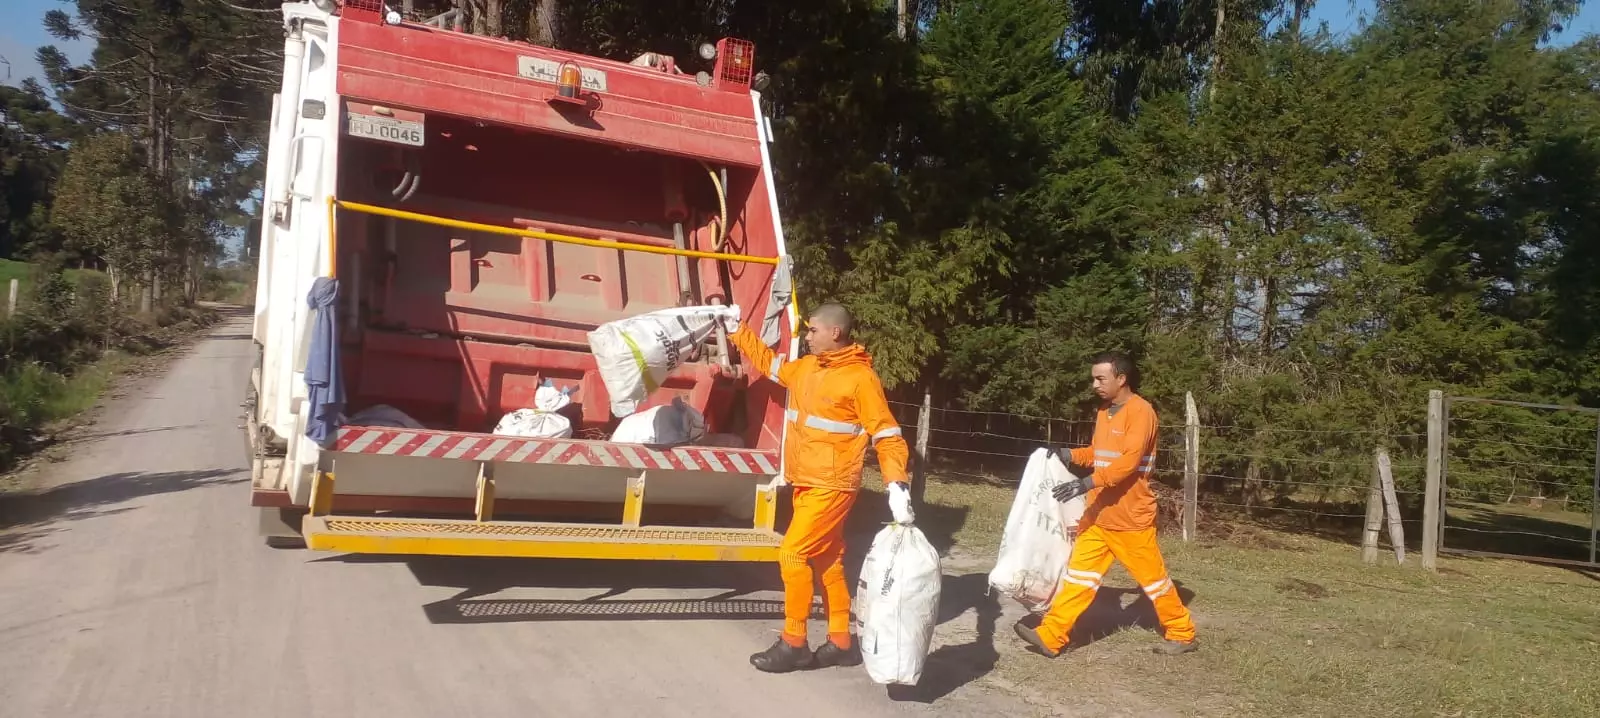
x=22, y=29
x=22, y=32
x=1344, y=18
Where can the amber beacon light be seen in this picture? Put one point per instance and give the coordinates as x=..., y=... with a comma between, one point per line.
x=570, y=81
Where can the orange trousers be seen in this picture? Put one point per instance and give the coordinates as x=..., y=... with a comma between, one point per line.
x=815, y=539
x=1091, y=558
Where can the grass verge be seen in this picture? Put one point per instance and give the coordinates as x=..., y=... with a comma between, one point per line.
x=23, y=272
x=39, y=396
x=1294, y=625
x=38, y=399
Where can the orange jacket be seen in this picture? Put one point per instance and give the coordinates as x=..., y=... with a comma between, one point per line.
x=1123, y=453
x=836, y=406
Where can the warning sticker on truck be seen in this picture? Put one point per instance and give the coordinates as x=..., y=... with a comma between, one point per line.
x=384, y=129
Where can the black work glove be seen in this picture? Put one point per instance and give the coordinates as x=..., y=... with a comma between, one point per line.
x=1065, y=455
x=1069, y=490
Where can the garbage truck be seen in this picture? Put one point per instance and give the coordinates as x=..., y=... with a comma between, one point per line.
x=482, y=205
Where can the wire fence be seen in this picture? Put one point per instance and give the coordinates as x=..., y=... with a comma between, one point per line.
x=1521, y=480
x=1511, y=482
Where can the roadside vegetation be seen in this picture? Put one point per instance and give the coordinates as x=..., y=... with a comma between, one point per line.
x=65, y=344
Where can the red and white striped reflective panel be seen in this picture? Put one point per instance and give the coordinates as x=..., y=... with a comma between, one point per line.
x=386, y=441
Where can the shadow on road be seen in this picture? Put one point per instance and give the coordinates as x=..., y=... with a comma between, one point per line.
x=80, y=438
x=726, y=588
x=952, y=666
x=27, y=517
x=476, y=578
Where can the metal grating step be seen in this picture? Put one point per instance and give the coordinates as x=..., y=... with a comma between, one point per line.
x=353, y=534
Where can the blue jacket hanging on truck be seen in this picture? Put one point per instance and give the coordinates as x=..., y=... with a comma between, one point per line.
x=324, y=387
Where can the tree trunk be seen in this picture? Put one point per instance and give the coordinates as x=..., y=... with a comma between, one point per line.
x=195, y=268
x=543, y=23
x=151, y=127
x=493, y=11
x=1228, y=258
x=1269, y=314
x=1216, y=50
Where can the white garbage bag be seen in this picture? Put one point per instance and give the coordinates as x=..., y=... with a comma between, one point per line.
x=542, y=421
x=897, y=604
x=383, y=415
x=635, y=355
x=668, y=425
x=1038, y=536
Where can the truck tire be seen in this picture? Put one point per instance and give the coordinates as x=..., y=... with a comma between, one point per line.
x=280, y=528
x=285, y=542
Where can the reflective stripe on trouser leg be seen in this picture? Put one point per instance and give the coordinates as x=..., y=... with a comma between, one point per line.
x=835, y=592
x=1091, y=557
x=816, y=532
x=1139, y=552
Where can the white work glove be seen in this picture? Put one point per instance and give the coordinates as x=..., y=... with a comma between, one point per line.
x=730, y=318
x=900, y=503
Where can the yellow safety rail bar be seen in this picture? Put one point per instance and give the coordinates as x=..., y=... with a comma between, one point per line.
x=333, y=240
x=549, y=236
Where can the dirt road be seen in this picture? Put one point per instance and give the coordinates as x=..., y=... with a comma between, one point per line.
x=132, y=583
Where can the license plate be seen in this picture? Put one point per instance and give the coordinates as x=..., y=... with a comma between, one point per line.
x=385, y=129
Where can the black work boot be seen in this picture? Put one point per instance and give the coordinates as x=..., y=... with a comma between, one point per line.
x=782, y=658
x=830, y=654
x=1176, y=648
x=1035, y=643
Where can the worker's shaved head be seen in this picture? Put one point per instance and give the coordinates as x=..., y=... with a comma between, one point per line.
x=835, y=315
x=829, y=327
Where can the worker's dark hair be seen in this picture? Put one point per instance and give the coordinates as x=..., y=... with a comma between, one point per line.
x=835, y=314
x=1121, y=365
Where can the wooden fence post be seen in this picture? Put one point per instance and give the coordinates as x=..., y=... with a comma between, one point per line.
x=919, y=471
x=11, y=304
x=1434, y=487
x=1369, y=533
x=1594, y=502
x=1391, y=504
x=1191, y=465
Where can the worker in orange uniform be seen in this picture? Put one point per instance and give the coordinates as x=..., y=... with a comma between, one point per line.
x=837, y=407
x=1119, y=519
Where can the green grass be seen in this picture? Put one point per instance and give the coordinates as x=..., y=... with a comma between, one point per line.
x=36, y=396
x=232, y=292
x=1293, y=625
x=1553, y=514
x=23, y=272
x=35, y=400
x=1522, y=530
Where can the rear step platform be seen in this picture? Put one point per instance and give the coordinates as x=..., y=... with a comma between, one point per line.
x=468, y=537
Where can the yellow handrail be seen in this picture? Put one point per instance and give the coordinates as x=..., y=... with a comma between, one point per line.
x=549, y=236
x=333, y=240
